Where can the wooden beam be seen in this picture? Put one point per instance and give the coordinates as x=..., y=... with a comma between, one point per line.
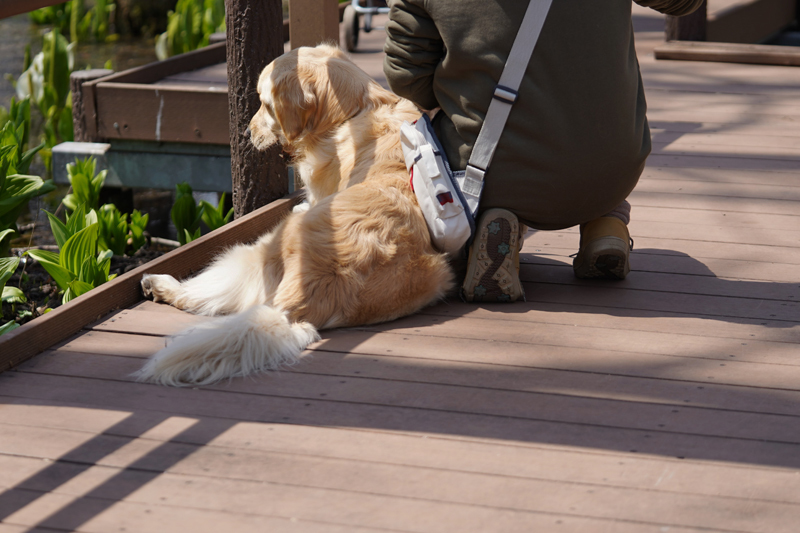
x=81, y=119
x=313, y=22
x=122, y=292
x=254, y=39
x=161, y=113
x=759, y=54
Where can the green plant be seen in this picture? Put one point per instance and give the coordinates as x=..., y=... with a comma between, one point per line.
x=16, y=189
x=46, y=82
x=190, y=26
x=113, y=229
x=186, y=215
x=116, y=234
x=77, y=268
x=213, y=216
x=137, y=226
x=85, y=184
x=74, y=19
x=8, y=265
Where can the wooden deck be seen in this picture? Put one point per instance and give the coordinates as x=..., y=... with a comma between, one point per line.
x=667, y=402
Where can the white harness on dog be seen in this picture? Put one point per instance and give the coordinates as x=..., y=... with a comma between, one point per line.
x=443, y=194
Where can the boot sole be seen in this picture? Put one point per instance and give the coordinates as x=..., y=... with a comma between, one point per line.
x=604, y=258
x=492, y=274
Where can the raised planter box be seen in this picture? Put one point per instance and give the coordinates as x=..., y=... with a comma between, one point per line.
x=123, y=292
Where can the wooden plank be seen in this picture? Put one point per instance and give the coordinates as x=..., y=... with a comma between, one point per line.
x=528, y=371
x=99, y=514
x=682, y=126
x=725, y=360
x=65, y=321
x=711, y=221
x=723, y=163
x=389, y=481
x=738, y=332
x=728, y=49
x=687, y=146
x=442, y=453
x=781, y=197
x=664, y=99
x=762, y=179
x=309, y=507
x=738, y=208
x=399, y=383
x=153, y=72
x=317, y=411
x=557, y=272
x=655, y=260
x=214, y=74
x=585, y=297
x=161, y=113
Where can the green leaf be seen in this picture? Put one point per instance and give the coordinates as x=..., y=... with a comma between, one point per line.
x=6, y=233
x=58, y=229
x=78, y=287
x=19, y=187
x=44, y=255
x=60, y=275
x=8, y=265
x=78, y=247
x=8, y=326
x=77, y=220
x=25, y=162
x=13, y=295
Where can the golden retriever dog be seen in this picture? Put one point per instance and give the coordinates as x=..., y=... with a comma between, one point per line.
x=360, y=254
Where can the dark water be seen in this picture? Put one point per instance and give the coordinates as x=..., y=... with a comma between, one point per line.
x=17, y=32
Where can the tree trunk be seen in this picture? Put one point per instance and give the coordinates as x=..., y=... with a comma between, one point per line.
x=689, y=28
x=254, y=38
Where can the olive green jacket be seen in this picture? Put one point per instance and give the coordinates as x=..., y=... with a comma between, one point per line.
x=577, y=137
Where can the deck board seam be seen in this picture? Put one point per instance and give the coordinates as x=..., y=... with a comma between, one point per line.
x=409, y=498
x=479, y=441
x=564, y=481
x=457, y=413
x=598, y=398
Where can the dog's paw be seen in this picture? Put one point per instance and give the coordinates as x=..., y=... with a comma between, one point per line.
x=160, y=287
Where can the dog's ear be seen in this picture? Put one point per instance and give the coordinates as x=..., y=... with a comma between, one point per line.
x=294, y=104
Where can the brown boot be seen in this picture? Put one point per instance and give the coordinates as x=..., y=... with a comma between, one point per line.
x=493, y=270
x=604, y=250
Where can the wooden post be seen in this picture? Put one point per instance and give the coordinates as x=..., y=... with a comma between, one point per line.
x=312, y=22
x=80, y=120
x=254, y=38
x=688, y=28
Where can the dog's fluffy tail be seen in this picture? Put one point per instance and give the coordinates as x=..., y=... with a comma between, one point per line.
x=259, y=339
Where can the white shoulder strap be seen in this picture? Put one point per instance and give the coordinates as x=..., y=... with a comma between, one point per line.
x=504, y=96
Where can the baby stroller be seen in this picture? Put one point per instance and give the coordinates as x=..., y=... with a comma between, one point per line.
x=350, y=19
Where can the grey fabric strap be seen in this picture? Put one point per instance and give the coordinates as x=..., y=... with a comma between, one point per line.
x=504, y=96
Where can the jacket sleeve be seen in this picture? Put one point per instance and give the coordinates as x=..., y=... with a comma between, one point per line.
x=677, y=8
x=413, y=49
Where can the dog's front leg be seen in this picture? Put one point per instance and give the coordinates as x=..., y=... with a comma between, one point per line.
x=237, y=280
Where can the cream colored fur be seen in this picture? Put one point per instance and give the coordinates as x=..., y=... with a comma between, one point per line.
x=360, y=254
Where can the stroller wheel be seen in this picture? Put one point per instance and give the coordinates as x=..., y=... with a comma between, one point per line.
x=351, y=26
